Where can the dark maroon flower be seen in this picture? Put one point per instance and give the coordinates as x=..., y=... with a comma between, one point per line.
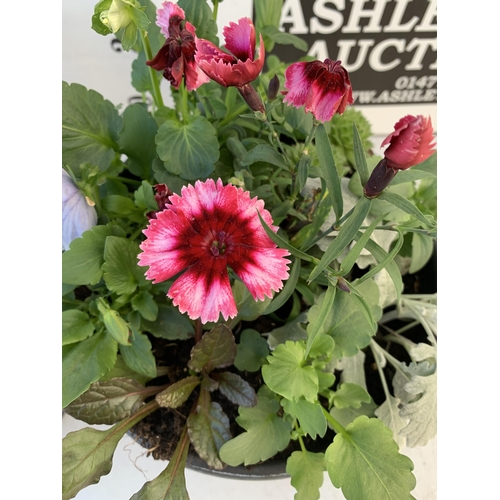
x=323, y=87
x=162, y=197
x=176, y=57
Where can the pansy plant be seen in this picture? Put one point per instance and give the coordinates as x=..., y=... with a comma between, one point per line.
x=252, y=223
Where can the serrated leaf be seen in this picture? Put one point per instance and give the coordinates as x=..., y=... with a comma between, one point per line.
x=344, y=416
x=310, y=415
x=81, y=264
x=145, y=303
x=364, y=461
x=353, y=369
x=346, y=323
x=178, y=393
x=171, y=483
x=216, y=349
x=266, y=154
x=208, y=430
x=266, y=434
x=188, y=150
x=145, y=198
x=286, y=363
x=170, y=324
x=237, y=390
x=139, y=355
x=306, y=471
x=421, y=412
x=88, y=453
x=289, y=331
x=350, y=395
x=85, y=364
x=76, y=326
x=121, y=270
x=108, y=402
x=90, y=127
x=251, y=352
x=388, y=412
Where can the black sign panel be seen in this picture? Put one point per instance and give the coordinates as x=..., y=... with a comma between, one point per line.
x=388, y=46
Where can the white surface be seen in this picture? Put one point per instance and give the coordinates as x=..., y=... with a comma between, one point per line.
x=131, y=469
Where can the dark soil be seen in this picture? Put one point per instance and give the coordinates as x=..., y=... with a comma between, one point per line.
x=159, y=432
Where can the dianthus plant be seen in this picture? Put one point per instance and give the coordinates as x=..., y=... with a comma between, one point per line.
x=240, y=212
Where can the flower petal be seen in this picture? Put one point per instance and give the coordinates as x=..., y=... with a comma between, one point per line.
x=240, y=38
x=168, y=12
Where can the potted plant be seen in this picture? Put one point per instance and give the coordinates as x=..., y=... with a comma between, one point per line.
x=238, y=268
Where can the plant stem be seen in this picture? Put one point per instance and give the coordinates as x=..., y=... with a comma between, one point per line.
x=335, y=425
x=198, y=331
x=134, y=182
x=380, y=370
x=394, y=362
x=216, y=9
x=184, y=102
x=152, y=72
x=233, y=115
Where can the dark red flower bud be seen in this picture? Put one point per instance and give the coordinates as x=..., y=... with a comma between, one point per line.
x=274, y=87
x=380, y=178
x=252, y=98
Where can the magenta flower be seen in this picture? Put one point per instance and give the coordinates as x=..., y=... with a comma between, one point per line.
x=203, y=231
x=411, y=143
x=176, y=57
x=78, y=212
x=323, y=87
x=240, y=66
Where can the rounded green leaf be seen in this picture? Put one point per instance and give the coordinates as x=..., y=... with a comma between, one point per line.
x=76, y=326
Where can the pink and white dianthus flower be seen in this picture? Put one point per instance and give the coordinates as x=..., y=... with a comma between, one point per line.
x=176, y=57
x=203, y=231
x=324, y=88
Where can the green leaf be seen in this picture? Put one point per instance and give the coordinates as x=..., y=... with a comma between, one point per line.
x=266, y=434
x=121, y=270
x=359, y=156
x=76, y=326
x=310, y=415
x=108, y=402
x=407, y=206
x=171, y=483
x=266, y=154
x=286, y=363
x=350, y=395
x=289, y=331
x=139, y=355
x=251, y=352
x=306, y=471
x=189, y=151
x=346, y=322
x=346, y=234
x=248, y=308
x=170, y=324
x=208, y=430
x=137, y=139
x=329, y=170
x=85, y=364
x=90, y=127
x=277, y=36
x=145, y=197
x=145, y=303
x=364, y=461
x=280, y=299
x=81, y=264
x=237, y=390
x=422, y=247
x=178, y=393
x=200, y=16
x=216, y=349
x=344, y=416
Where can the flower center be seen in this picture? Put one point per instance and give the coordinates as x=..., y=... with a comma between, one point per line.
x=218, y=245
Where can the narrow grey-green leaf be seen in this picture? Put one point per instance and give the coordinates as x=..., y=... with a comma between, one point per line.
x=88, y=453
x=306, y=471
x=90, y=127
x=76, y=326
x=282, y=38
x=280, y=299
x=407, y=206
x=329, y=170
x=346, y=234
x=108, y=402
x=359, y=156
x=365, y=462
x=171, y=483
x=85, y=364
x=178, y=393
x=216, y=349
x=236, y=389
x=188, y=150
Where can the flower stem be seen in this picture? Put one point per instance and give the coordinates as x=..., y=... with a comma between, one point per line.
x=152, y=73
x=184, y=102
x=216, y=8
x=233, y=115
x=198, y=331
x=334, y=424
